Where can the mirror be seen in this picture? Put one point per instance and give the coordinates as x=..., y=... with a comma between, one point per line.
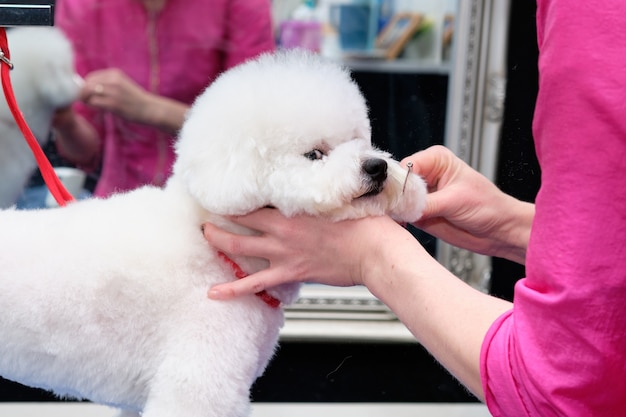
x=474, y=70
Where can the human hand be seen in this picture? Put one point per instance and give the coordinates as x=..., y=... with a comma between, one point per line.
x=63, y=118
x=383, y=256
x=467, y=210
x=114, y=91
x=301, y=249
x=76, y=139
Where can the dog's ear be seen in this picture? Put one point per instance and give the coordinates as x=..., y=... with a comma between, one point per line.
x=223, y=173
x=50, y=49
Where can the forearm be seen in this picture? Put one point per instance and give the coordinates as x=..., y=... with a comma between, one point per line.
x=444, y=314
x=164, y=114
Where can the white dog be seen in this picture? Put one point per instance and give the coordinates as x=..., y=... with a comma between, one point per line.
x=107, y=299
x=43, y=80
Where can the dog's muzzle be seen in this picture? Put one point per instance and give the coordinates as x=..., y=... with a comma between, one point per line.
x=375, y=170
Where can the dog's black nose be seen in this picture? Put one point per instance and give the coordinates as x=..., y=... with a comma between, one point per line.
x=376, y=169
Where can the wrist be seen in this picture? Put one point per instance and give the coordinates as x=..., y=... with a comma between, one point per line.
x=514, y=241
x=393, y=263
x=150, y=109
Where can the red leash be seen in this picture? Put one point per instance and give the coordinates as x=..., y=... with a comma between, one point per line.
x=240, y=273
x=58, y=191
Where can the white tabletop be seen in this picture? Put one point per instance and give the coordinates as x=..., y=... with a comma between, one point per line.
x=265, y=409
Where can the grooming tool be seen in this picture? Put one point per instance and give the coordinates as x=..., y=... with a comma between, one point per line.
x=409, y=169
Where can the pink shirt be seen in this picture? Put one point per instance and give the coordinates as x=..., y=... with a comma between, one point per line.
x=175, y=53
x=562, y=350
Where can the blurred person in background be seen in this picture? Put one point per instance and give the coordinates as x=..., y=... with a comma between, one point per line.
x=144, y=62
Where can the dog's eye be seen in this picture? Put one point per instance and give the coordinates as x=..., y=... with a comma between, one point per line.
x=314, y=155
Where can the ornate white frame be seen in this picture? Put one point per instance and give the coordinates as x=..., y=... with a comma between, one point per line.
x=475, y=110
x=474, y=117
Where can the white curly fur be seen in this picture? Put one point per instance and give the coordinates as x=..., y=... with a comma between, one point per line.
x=105, y=299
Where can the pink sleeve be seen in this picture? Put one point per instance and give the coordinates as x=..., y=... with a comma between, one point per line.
x=69, y=19
x=249, y=30
x=562, y=350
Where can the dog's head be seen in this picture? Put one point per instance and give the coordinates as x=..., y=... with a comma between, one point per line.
x=44, y=59
x=290, y=130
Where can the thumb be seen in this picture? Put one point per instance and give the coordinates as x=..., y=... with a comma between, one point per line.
x=440, y=203
x=432, y=164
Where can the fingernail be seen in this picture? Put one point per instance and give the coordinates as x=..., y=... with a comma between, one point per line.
x=215, y=294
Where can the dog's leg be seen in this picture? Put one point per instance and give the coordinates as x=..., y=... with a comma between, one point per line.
x=214, y=393
x=125, y=413
x=200, y=379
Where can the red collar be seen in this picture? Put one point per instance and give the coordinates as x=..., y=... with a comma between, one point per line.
x=240, y=273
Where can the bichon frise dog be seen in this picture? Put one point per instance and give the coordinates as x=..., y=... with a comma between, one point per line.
x=43, y=81
x=107, y=299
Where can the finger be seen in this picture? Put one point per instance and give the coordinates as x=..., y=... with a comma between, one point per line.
x=259, y=220
x=444, y=230
x=230, y=243
x=431, y=163
x=251, y=284
x=88, y=90
x=452, y=233
x=100, y=101
x=235, y=289
x=437, y=227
